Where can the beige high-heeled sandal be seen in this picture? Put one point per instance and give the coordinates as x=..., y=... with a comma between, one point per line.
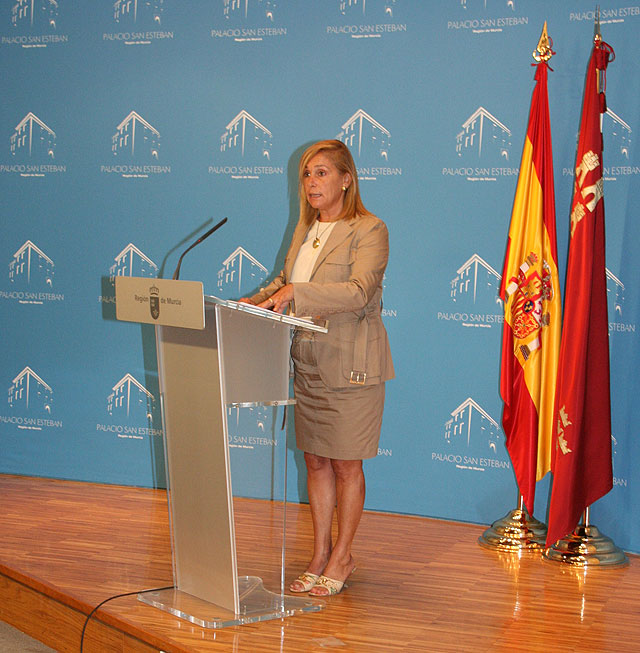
x=333, y=586
x=307, y=580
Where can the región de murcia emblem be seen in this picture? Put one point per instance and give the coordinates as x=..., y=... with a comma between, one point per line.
x=154, y=302
x=532, y=289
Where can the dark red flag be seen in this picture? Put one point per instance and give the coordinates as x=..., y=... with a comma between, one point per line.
x=581, y=462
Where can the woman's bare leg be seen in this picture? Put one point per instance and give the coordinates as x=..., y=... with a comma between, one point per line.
x=321, y=486
x=350, y=493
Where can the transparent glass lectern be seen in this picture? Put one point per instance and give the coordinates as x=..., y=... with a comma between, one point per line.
x=215, y=358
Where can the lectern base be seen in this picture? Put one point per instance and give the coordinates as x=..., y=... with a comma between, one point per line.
x=256, y=604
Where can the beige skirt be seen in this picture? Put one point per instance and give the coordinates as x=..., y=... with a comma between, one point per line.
x=339, y=423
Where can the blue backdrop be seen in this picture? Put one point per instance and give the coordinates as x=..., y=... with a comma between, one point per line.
x=128, y=127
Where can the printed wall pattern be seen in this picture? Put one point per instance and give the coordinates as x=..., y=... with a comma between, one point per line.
x=128, y=128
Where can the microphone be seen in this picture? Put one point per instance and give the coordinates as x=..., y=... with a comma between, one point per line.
x=176, y=274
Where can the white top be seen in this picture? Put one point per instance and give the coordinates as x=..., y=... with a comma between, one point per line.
x=308, y=255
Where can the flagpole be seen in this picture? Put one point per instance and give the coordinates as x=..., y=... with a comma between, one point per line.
x=586, y=546
x=518, y=531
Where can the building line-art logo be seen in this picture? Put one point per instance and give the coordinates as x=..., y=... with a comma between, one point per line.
x=615, y=289
x=134, y=125
x=620, y=132
x=366, y=20
x=508, y=3
x=475, y=293
x=250, y=427
x=27, y=257
x=32, y=133
x=462, y=424
x=125, y=393
x=617, y=480
x=132, y=262
x=483, y=17
x=345, y=6
x=27, y=11
x=241, y=7
x=26, y=384
x=244, y=130
x=139, y=22
x=466, y=278
x=615, y=304
x=129, y=9
x=482, y=129
x=362, y=131
x=248, y=21
x=240, y=269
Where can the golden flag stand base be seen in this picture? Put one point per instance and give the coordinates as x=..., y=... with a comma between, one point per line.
x=586, y=546
x=516, y=531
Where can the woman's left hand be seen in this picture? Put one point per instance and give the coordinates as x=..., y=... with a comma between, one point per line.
x=280, y=299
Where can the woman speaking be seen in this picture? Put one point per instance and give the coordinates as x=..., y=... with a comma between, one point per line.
x=334, y=270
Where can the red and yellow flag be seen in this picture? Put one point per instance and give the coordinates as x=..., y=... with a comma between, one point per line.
x=532, y=308
x=582, y=467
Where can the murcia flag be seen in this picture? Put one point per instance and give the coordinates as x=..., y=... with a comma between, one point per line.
x=582, y=468
x=530, y=291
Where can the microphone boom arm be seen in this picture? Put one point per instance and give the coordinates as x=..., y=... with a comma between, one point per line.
x=176, y=274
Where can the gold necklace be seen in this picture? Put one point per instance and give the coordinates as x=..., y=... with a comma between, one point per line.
x=316, y=240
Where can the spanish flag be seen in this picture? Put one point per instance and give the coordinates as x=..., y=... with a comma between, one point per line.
x=582, y=467
x=532, y=308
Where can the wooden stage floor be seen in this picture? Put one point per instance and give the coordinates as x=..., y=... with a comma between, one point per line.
x=421, y=584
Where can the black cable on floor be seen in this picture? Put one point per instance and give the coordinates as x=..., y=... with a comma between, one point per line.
x=117, y=596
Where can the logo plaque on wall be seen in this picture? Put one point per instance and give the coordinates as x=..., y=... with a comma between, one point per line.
x=133, y=262
x=29, y=403
x=31, y=277
x=130, y=262
x=386, y=289
x=474, y=296
x=472, y=440
x=249, y=21
x=135, y=148
x=485, y=16
x=606, y=16
x=32, y=149
x=132, y=411
x=33, y=24
x=240, y=274
x=615, y=305
x=139, y=22
x=483, y=149
x=362, y=19
x=244, y=149
x=370, y=144
x=619, y=475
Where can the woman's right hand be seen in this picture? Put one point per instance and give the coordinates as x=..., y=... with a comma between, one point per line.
x=246, y=300
x=280, y=299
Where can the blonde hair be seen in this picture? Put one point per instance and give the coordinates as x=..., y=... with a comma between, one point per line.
x=340, y=156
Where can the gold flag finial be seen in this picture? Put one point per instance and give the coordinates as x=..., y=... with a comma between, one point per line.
x=543, y=52
x=597, y=34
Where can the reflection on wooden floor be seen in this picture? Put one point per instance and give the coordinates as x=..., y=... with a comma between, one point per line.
x=421, y=584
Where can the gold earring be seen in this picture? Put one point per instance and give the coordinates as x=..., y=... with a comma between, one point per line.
x=344, y=189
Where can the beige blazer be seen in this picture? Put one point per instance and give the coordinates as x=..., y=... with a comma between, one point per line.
x=345, y=288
